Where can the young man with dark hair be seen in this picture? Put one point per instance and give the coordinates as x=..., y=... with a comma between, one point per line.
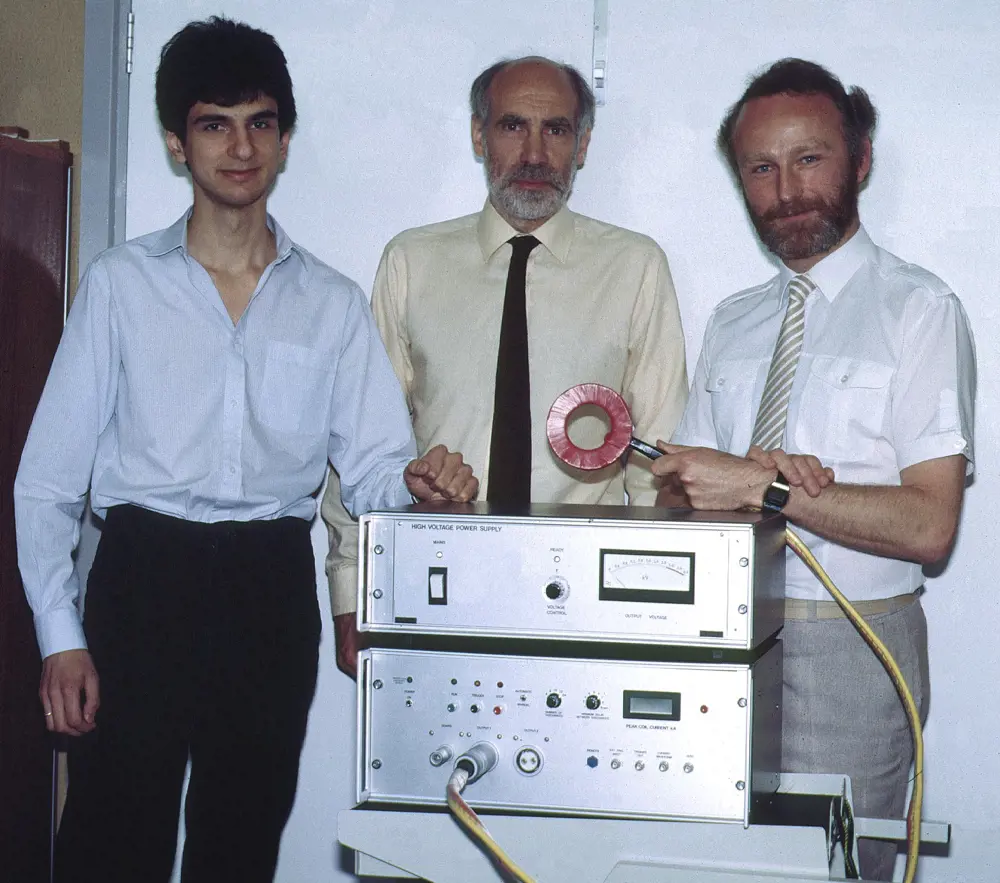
x=207, y=374
x=852, y=359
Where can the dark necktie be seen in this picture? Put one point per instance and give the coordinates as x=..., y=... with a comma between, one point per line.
x=510, y=446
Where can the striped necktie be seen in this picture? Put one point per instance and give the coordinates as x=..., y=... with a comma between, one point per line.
x=769, y=428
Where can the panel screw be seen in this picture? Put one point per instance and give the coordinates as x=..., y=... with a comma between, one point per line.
x=378, y=550
x=741, y=785
x=742, y=702
x=376, y=684
x=377, y=594
x=744, y=562
x=376, y=764
x=742, y=608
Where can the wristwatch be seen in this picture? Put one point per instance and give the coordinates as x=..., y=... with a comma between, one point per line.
x=776, y=495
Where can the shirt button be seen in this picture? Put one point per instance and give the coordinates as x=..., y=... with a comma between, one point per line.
x=843, y=379
x=232, y=470
x=720, y=382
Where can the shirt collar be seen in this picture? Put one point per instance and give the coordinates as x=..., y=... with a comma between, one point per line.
x=175, y=237
x=833, y=273
x=556, y=234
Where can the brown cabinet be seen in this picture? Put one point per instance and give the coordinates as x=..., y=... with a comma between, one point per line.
x=34, y=179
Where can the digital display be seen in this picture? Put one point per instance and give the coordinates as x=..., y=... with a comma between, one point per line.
x=648, y=577
x=658, y=705
x=645, y=705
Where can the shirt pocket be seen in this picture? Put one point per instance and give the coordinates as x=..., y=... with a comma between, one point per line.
x=842, y=410
x=294, y=390
x=731, y=387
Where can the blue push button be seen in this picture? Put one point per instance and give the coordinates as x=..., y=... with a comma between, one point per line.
x=592, y=761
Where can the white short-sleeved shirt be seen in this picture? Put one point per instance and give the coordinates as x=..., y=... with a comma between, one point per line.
x=886, y=379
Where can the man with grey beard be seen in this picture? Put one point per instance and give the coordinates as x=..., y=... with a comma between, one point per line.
x=849, y=365
x=596, y=304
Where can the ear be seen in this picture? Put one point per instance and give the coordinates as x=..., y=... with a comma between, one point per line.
x=864, y=159
x=478, y=142
x=283, y=146
x=176, y=148
x=581, y=151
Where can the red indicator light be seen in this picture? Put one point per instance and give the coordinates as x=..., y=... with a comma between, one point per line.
x=497, y=709
x=704, y=709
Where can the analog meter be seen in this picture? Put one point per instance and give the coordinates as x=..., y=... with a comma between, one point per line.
x=635, y=575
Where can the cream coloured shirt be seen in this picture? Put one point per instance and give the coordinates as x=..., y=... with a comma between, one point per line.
x=886, y=379
x=601, y=308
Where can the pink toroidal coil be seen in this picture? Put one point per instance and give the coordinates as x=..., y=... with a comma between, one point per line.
x=616, y=442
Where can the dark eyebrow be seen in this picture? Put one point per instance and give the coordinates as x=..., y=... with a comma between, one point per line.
x=510, y=118
x=226, y=118
x=563, y=122
x=211, y=118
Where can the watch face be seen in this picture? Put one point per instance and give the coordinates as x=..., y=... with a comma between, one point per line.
x=777, y=493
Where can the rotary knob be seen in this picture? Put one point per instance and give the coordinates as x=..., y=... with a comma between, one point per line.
x=593, y=702
x=556, y=589
x=553, y=700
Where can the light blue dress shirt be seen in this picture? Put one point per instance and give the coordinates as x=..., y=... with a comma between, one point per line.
x=156, y=398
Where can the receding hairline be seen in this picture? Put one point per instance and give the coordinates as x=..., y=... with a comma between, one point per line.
x=526, y=60
x=538, y=61
x=481, y=90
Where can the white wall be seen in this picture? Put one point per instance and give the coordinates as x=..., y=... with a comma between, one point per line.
x=382, y=144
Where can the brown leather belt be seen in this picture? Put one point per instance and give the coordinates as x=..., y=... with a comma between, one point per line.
x=800, y=608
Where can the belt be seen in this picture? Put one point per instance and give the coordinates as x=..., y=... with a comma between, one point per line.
x=800, y=608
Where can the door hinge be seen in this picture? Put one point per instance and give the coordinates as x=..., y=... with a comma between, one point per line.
x=129, y=42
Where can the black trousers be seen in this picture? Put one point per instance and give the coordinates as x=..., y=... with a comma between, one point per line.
x=205, y=638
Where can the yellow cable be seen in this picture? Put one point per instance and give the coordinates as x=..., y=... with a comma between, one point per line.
x=885, y=657
x=470, y=821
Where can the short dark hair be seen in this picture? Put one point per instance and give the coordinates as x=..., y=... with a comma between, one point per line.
x=225, y=62
x=479, y=94
x=795, y=76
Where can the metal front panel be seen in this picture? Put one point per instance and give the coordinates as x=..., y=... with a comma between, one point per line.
x=587, y=737
x=703, y=584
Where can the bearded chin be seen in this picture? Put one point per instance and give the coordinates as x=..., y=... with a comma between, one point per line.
x=810, y=239
x=526, y=205
x=814, y=236
x=529, y=206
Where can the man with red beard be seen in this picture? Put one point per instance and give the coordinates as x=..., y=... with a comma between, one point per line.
x=849, y=364
x=596, y=303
